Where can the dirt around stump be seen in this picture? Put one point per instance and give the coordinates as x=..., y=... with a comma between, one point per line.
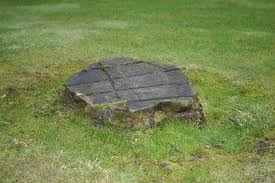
x=132, y=86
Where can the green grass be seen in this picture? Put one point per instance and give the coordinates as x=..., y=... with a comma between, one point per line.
x=227, y=48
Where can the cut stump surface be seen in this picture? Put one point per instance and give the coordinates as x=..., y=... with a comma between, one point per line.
x=142, y=85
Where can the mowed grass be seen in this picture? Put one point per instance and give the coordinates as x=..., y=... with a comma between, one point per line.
x=227, y=49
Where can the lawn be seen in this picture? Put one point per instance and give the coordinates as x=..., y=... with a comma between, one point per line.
x=226, y=47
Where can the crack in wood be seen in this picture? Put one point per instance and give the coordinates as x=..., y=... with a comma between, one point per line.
x=159, y=98
x=133, y=88
x=112, y=82
x=151, y=73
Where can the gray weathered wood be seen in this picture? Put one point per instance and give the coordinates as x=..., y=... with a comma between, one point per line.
x=143, y=85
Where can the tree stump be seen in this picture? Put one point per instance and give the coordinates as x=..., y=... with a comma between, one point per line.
x=141, y=86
